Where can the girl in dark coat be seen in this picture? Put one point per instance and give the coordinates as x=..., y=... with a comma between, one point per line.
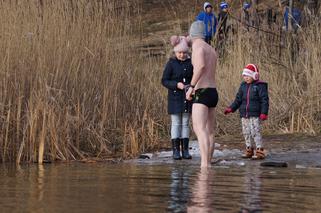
x=252, y=100
x=176, y=78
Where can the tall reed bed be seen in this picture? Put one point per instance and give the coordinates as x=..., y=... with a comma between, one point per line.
x=71, y=86
x=290, y=65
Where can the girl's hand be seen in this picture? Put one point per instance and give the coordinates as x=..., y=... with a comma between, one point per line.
x=228, y=110
x=189, y=93
x=180, y=85
x=263, y=117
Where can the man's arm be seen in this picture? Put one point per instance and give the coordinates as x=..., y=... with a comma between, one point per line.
x=198, y=61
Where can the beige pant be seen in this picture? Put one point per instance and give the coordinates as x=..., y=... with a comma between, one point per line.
x=251, y=128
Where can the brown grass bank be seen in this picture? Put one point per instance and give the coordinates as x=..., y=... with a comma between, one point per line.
x=74, y=86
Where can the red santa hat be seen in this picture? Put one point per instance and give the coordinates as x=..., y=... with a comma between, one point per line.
x=251, y=70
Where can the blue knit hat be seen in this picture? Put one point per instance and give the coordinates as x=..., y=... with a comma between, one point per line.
x=223, y=5
x=246, y=6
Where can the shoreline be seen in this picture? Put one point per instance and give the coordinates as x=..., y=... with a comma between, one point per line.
x=276, y=144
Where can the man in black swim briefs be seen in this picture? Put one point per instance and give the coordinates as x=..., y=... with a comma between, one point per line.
x=206, y=96
x=204, y=60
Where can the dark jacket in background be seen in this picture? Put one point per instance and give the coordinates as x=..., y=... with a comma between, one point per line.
x=222, y=20
x=252, y=99
x=177, y=71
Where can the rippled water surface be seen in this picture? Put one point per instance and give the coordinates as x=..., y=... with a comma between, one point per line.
x=78, y=187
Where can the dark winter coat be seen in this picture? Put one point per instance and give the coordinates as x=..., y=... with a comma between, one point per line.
x=177, y=71
x=222, y=20
x=252, y=99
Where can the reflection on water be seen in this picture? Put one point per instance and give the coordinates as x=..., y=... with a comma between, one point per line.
x=252, y=189
x=179, y=189
x=40, y=183
x=157, y=188
x=201, y=200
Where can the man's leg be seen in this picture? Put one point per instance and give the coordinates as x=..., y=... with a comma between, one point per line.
x=199, y=117
x=211, y=132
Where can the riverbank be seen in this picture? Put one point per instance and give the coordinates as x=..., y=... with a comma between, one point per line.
x=295, y=150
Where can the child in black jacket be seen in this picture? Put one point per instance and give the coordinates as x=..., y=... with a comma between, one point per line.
x=176, y=78
x=252, y=100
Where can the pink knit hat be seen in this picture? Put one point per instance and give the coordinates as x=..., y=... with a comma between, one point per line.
x=180, y=43
x=251, y=70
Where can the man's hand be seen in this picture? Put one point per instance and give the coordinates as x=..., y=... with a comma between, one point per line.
x=189, y=93
x=180, y=85
x=228, y=110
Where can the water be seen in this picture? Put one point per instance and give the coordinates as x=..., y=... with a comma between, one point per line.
x=78, y=187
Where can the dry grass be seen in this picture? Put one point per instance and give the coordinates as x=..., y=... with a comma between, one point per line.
x=73, y=86
x=295, y=92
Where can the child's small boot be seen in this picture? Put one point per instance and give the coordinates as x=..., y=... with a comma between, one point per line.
x=249, y=152
x=259, y=154
x=176, y=143
x=185, y=147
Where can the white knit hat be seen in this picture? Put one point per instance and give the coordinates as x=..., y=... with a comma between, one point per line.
x=207, y=4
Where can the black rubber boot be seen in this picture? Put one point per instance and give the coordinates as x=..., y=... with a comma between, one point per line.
x=185, y=148
x=176, y=149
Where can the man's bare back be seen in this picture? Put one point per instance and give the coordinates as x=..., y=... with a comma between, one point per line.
x=204, y=62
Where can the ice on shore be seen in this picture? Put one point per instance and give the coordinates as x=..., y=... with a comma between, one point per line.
x=195, y=152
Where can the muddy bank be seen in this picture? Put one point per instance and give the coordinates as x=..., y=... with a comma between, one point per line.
x=288, y=150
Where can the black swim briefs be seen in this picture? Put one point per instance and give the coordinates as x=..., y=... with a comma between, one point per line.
x=206, y=96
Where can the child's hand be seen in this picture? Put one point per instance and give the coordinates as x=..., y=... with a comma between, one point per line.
x=227, y=111
x=263, y=117
x=180, y=85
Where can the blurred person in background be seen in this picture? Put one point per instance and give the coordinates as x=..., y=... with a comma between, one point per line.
x=210, y=21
